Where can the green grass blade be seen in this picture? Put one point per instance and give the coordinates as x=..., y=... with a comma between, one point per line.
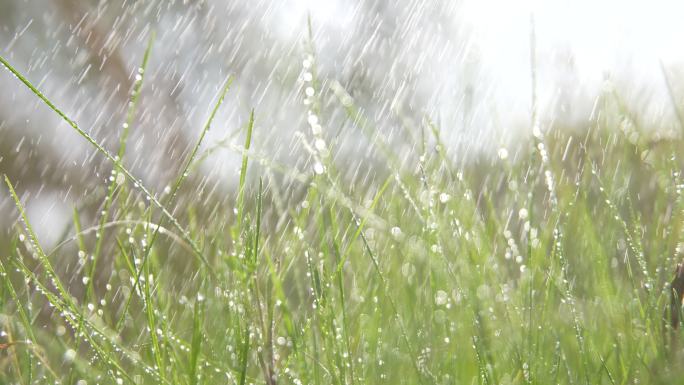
x=117, y=162
x=243, y=172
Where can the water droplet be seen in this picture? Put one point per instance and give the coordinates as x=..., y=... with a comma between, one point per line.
x=503, y=153
x=69, y=355
x=318, y=168
x=120, y=178
x=444, y=197
x=312, y=119
x=408, y=270
x=441, y=297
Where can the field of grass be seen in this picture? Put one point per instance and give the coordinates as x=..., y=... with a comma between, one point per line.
x=547, y=265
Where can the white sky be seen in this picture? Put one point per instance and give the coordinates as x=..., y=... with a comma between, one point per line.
x=580, y=44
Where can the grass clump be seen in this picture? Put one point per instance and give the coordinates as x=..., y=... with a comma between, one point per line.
x=552, y=267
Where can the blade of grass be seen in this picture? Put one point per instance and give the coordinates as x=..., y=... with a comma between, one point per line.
x=198, y=316
x=117, y=162
x=130, y=116
x=243, y=172
x=64, y=302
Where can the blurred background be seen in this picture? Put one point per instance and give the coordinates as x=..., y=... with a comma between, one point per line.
x=467, y=66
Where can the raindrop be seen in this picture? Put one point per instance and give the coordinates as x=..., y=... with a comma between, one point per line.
x=318, y=168
x=441, y=297
x=444, y=197
x=69, y=355
x=503, y=153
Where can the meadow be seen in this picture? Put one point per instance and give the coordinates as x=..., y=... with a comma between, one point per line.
x=549, y=263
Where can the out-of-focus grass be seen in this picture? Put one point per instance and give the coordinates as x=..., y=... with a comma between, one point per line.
x=550, y=266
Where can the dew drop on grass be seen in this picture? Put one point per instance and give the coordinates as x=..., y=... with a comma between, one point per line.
x=503, y=154
x=407, y=270
x=444, y=197
x=120, y=178
x=396, y=232
x=318, y=168
x=69, y=355
x=441, y=297
x=347, y=101
x=309, y=91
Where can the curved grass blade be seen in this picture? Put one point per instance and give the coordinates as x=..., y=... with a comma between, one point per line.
x=130, y=115
x=116, y=161
x=64, y=302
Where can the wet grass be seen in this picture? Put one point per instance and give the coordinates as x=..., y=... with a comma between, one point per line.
x=550, y=266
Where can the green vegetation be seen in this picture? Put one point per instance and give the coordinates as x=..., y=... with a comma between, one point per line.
x=552, y=266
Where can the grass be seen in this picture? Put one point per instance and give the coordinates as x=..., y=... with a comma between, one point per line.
x=552, y=266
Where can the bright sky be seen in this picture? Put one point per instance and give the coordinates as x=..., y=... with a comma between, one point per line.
x=580, y=44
